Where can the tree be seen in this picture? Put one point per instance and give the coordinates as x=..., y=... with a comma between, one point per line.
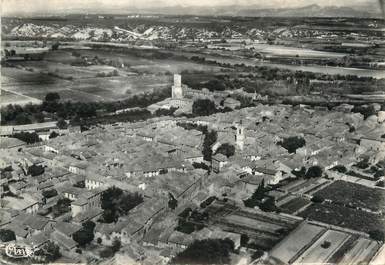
x=106, y=252
x=63, y=205
x=116, y=244
x=209, y=140
x=165, y=112
x=215, y=84
x=49, y=193
x=207, y=251
x=299, y=173
x=201, y=165
x=55, y=46
x=317, y=199
x=172, y=202
x=39, y=117
x=365, y=110
x=314, y=172
x=244, y=240
x=22, y=118
x=291, y=144
x=380, y=183
x=377, y=235
x=257, y=196
x=49, y=252
x=35, y=170
x=52, y=97
x=340, y=169
x=325, y=244
x=86, y=234
x=29, y=138
x=7, y=235
x=80, y=184
x=62, y=124
x=226, y=149
x=53, y=134
x=185, y=227
x=116, y=202
x=257, y=254
x=268, y=205
x=203, y=107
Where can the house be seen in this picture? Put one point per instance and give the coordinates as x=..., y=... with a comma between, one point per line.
x=231, y=103
x=67, y=229
x=17, y=187
x=95, y=182
x=217, y=162
x=63, y=241
x=48, y=148
x=146, y=137
x=20, y=230
x=25, y=203
x=108, y=232
x=62, y=235
x=71, y=192
x=90, y=215
x=372, y=143
x=249, y=183
x=86, y=201
x=193, y=156
x=33, y=222
x=179, y=240
x=273, y=176
x=37, y=240
x=78, y=168
x=44, y=136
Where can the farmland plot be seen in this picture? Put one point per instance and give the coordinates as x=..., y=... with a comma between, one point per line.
x=344, y=217
x=323, y=248
x=362, y=252
x=287, y=250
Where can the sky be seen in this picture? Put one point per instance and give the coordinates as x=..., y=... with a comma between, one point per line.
x=46, y=6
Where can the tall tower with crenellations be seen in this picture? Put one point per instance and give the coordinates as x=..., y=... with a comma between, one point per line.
x=177, y=90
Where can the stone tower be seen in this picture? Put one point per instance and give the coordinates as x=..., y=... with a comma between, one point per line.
x=240, y=136
x=177, y=91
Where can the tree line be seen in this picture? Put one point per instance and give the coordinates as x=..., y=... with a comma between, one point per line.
x=53, y=107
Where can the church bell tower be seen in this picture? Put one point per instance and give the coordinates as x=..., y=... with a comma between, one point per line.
x=240, y=136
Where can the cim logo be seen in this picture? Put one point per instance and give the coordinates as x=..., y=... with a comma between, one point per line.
x=18, y=251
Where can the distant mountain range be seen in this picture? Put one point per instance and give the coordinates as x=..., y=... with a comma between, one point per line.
x=255, y=11
x=364, y=11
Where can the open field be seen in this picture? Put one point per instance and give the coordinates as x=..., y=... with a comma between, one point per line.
x=279, y=50
x=80, y=83
x=331, y=70
x=8, y=97
x=354, y=194
x=66, y=70
x=344, y=217
x=149, y=65
x=85, y=89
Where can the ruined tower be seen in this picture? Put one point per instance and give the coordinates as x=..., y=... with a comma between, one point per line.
x=177, y=91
